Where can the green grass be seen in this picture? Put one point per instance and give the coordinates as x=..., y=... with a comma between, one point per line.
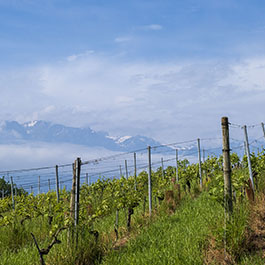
x=256, y=259
x=177, y=239
x=16, y=244
x=17, y=247
x=180, y=238
x=25, y=256
x=60, y=254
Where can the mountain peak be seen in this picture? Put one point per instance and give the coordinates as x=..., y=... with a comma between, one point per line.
x=35, y=123
x=122, y=139
x=39, y=130
x=30, y=123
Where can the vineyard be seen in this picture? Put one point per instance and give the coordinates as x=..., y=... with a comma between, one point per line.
x=131, y=218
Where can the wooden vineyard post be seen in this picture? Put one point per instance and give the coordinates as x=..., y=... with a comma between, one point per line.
x=39, y=186
x=263, y=129
x=3, y=194
x=120, y=172
x=135, y=171
x=77, y=194
x=12, y=193
x=203, y=161
x=249, y=161
x=200, y=163
x=31, y=189
x=57, y=183
x=72, y=202
x=177, y=167
x=149, y=181
x=126, y=169
x=228, y=201
x=162, y=167
x=86, y=178
x=227, y=167
x=49, y=184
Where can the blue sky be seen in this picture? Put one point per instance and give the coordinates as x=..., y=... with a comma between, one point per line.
x=158, y=68
x=44, y=31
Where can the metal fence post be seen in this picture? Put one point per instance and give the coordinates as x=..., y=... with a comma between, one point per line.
x=149, y=181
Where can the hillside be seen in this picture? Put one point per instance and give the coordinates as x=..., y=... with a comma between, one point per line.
x=185, y=224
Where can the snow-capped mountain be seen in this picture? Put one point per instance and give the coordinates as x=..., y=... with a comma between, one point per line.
x=14, y=132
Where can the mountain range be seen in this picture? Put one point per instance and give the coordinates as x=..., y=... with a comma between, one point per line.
x=12, y=132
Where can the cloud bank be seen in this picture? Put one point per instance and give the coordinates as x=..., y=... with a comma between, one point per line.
x=168, y=101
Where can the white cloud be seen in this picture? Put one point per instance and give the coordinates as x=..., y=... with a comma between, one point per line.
x=152, y=27
x=40, y=154
x=247, y=76
x=168, y=101
x=123, y=39
x=76, y=56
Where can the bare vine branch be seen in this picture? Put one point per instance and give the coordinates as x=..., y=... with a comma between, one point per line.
x=45, y=251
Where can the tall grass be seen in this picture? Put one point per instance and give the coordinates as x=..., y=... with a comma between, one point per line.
x=177, y=239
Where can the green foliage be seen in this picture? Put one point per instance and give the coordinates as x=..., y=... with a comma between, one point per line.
x=43, y=215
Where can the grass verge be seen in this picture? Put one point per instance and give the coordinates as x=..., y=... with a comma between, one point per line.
x=176, y=239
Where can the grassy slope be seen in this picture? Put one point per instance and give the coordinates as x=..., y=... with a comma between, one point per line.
x=176, y=239
x=186, y=237
x=181, y=238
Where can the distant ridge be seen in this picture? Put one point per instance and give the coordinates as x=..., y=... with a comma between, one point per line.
x=38, y=130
